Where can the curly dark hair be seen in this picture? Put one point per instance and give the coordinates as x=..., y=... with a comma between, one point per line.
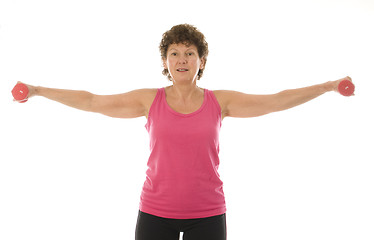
x=186, y=34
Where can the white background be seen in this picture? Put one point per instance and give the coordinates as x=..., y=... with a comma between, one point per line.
x=305, y=173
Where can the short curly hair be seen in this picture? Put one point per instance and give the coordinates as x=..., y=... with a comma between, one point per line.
x=186, y=34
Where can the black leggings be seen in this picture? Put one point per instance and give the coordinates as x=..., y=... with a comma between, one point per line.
x=150, y=227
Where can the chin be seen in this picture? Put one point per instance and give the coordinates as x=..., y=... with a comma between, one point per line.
x=184, y=79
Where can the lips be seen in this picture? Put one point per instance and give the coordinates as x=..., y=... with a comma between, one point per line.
x=182, y=70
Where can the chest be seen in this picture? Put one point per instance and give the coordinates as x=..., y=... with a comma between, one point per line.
x=189, y=132
x=185, y=107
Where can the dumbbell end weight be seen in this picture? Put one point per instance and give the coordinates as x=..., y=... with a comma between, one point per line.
x=346, y=88
x=20, y=92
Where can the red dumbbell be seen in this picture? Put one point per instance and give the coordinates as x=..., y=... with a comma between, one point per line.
x=346, y=88
x=20, y=92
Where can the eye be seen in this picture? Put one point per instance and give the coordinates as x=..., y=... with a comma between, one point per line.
x=190, y=53
x=173, y=54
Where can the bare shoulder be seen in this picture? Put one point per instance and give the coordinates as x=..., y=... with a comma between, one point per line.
x=221, y=94
x=147, y=93
x=223, y=97
x=147, y=96
x=230, y=101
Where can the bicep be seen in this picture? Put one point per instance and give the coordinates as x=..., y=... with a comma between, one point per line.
x=242, y=105
x=125, y=105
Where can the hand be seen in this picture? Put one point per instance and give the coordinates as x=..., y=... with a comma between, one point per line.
x=32, y=91
x=335, y=84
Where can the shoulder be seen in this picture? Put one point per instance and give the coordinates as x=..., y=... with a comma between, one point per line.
x=147, y=92
x=229, y=99
x=223, y=97
x=222, y=94
x=147, y=96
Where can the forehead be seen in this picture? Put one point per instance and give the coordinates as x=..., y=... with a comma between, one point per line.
x=182, y=47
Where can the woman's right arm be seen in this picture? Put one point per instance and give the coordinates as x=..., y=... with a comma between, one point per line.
x=126, y=105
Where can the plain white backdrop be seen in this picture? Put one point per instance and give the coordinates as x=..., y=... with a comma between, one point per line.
x=305, y=173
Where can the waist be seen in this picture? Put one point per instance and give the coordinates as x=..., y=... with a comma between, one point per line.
x=183, y=197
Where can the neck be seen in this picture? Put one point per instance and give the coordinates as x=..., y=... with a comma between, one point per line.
x=184, y=91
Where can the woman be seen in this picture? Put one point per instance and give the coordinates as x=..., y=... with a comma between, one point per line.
x=183, y=191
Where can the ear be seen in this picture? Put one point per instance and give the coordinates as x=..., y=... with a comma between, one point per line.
x=202, y=63
x=164, y=63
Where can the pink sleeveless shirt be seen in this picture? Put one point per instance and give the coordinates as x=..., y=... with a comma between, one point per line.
x=182, y=179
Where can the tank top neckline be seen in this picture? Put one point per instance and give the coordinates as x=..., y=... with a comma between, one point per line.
x=183, y=114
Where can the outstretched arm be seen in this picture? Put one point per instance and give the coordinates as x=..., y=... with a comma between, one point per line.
x=126, y=105
x=241, y=105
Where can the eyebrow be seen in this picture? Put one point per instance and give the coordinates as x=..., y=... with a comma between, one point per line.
x=186, y=50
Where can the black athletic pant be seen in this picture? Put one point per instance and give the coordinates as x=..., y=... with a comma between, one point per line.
x=150, y=227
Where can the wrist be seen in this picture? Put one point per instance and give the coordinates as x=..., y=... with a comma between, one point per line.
x=329, y=86
x=36, y=90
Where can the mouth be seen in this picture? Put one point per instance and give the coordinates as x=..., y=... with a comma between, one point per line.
x=182, y=70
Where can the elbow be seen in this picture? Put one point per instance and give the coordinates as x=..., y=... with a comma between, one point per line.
x=275, y=104
x=284, y=100
x=93, y=103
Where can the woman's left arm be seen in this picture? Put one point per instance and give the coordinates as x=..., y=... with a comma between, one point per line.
x=241, y=105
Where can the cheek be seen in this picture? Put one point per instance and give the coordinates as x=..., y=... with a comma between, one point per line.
x=196, y=63
x=170, y=62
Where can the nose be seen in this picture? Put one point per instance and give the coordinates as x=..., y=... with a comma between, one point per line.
x=182, y=60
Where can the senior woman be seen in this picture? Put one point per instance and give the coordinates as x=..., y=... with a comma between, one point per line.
x=183, y=191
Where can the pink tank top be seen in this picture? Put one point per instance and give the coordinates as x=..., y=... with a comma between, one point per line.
x=182, y=178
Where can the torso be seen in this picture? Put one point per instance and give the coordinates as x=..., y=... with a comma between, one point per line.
x=185, y=108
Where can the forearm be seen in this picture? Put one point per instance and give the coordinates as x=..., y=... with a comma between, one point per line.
x=72, y=98
x=294, y=97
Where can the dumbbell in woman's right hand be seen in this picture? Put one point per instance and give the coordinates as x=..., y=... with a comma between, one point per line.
x=344, y=86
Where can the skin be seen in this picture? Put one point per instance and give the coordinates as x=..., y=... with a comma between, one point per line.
x=184, y=95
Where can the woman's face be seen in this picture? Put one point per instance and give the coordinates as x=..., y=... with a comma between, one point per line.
x=183, y=62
